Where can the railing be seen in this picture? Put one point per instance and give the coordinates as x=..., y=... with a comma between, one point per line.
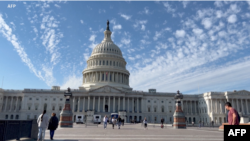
x=16, y=129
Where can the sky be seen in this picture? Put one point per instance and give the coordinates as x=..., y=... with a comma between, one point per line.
x=194, y=47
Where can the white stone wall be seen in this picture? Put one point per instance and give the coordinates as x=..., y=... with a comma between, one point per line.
x=207, y=107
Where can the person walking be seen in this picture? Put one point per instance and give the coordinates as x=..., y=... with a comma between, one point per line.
x=145, y=123
x=192, y=123
x=42, y=121
x=105, y=119
x=233, y=116
x=162, y=121
x=113, y=122
x=119, y=122
x=53, y=124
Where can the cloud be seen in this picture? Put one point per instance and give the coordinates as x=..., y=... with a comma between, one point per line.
x=81, y=21
x=73, y=81
x=140, y=23
x=126, y=17
x=58, y=6
x=145, y=11
x=169, y=7
x=207, y=22
x=180, y=33
x=125, y=41
x=218, y=3
x=92, y=38
x=117, y=27
x=7, y=33
x=185, y=3
x=197, y=31
x=232, y=18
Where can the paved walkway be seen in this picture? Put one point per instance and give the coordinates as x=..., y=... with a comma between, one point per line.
x=134, y=132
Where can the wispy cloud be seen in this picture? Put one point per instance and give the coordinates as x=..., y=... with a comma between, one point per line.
x=126, y=17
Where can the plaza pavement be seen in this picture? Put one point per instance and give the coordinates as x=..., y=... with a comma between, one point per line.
x=134, y=132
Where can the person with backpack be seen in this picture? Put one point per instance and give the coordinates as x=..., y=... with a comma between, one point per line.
x=42, y=121
x=113, y=122
x=53, y=124
x=119, y=120
x=233, y=116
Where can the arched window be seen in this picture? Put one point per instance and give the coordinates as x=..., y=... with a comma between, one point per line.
x=100, y=62
x=107, y=63
x=162, y=109
x=103, y=63
x=148, y=109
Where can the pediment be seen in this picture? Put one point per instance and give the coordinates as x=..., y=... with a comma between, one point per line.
x=106, y=89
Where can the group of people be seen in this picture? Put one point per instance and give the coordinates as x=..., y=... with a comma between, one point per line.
x=44, y=122
x=114, y=122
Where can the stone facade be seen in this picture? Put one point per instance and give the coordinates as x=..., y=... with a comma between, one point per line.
x=105, y=90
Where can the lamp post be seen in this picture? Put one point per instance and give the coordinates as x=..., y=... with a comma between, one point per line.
x=66, y=114
x=179, y=117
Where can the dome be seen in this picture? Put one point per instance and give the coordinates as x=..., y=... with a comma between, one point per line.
x=106, y=66
x=107, y=47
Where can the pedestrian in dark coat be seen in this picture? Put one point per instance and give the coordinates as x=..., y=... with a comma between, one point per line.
x=53, y=124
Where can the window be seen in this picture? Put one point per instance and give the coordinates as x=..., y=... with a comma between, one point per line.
x=60, y=108
x=45, y=99
x=162, y=109
x=17, y=116
x=28, y=108
x=162, y=101
x=53, y=108
x=30, y=98
x=37, y=99
x=113, y=63
x=36, y=108
x=61, y=99
x=169, y=101
x=155, y=109
x=6, y=116
x=155, y=101
x=110, y=63
x=107, y=63
x=11, y=117
x=148, y=109
x=54, y=99
x=148, y=101
x=103, y=63
x=100, y=63
x=170, y=119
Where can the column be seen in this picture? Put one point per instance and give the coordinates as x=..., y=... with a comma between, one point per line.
x=113, y=104
x=16, y=104
x=191, y=107
x=109, y=105
x=238, y=108
x=73, y=107
x=247, y=106
x=128, y=105
x=113, y=80
x=11, y=103
x=83, y=103
x=133, y=105
x=104, y=104
x=78, y=107
x=99, y=100
x=123, y=107
x=212, y=110
x=220, y=106
x=96, y=76
x=88, y=102
x=242, y=107
x=119, y=104
x=100, y=76
x=94, y=103
x=195, y=107
x=137, y=105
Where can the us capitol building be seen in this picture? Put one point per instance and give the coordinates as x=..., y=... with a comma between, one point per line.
x=105, y=90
